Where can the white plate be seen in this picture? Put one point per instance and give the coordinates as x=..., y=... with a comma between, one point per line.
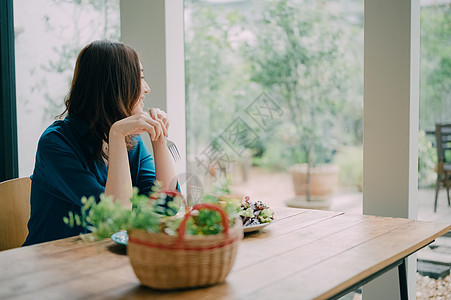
x=256, y=227
x=120, y=238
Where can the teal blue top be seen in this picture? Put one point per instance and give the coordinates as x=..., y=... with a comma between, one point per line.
x=64, y=172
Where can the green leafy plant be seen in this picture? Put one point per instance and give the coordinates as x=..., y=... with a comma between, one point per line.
x=302, y=71
x=300, y=57
x=435, y=65
x=154, y=213
x=350, y=161
x=427, y=159
x=205, y=222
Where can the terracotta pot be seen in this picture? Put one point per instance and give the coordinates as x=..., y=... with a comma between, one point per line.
x=323, y=180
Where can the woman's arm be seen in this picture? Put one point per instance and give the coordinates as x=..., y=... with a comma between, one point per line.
x=164, y=163
x=164, y=166
x=119, y=182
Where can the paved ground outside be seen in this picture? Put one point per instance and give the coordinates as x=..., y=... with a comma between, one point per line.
x=274, y=188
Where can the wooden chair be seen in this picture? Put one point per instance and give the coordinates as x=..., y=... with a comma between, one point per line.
x=14, y=212
x=443, y=167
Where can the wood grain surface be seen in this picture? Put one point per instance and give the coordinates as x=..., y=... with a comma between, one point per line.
x=304, y=254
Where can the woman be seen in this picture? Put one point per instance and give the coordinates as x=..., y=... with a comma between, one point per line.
x=97, y=148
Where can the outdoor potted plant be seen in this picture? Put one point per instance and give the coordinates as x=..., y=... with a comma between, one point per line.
x=296, y=59
x=168, y=250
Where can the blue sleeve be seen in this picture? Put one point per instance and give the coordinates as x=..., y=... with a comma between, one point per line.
x=142, y=167
x=62, y=172
x=146, y=172
x=146, y=176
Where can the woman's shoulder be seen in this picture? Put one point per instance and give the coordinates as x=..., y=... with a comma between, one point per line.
x=60, y=133
x=55, y=130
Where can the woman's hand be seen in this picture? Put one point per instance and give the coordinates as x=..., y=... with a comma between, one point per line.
x=139, y=123
x=164, y=164
x=156, y=123
x=161, y=117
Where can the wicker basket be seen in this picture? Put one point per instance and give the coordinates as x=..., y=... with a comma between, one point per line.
x=168, y=262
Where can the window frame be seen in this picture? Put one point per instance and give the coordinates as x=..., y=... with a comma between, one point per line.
x=9, y=162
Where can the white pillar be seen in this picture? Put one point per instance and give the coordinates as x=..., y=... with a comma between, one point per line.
x=391, y=91
x=155, y=29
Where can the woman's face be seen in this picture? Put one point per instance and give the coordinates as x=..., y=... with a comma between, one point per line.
x=144, y=90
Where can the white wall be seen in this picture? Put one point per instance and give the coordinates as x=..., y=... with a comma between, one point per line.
x=155, y=29
x=391, y=89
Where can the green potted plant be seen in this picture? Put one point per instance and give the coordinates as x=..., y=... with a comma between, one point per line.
x=166, y=249
x=295, y=59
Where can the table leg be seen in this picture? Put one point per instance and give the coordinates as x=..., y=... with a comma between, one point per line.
x=403, y=280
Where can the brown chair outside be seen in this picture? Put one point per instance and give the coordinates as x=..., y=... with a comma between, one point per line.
x=443, y=167
x=14, y=212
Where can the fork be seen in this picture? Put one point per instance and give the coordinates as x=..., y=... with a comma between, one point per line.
x=173, y=149
x=171, y=145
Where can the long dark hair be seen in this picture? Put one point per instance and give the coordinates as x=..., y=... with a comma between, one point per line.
x=105, y=88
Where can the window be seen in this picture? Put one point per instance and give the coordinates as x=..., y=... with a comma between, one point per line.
x=272, y=85
x=435, y=98
x=49, y=34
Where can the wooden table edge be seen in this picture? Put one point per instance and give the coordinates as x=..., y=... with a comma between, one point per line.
x=385, y=266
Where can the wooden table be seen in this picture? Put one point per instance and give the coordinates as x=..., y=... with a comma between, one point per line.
x=305, y=254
